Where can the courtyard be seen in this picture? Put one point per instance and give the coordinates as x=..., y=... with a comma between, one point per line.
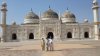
x=66, y=48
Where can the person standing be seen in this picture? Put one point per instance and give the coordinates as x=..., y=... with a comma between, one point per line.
x=43, y=44
x=51, y=44
x=47, y=44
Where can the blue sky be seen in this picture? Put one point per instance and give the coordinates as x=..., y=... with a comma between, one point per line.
x=17, y=9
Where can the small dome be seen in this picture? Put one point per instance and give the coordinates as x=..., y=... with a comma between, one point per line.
x=85, y=20
x=68, y=14
x=31, y=15
x=50, y=14
x=13, y=23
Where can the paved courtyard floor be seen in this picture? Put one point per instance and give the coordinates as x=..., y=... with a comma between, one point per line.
x=60, y=49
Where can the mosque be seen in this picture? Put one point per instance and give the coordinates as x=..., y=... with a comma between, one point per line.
x=50, y=23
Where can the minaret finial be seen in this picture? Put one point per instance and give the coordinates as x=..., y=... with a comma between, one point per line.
x=95, y=4
x=4, y=5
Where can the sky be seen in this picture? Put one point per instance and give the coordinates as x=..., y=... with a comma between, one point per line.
x=17, y=9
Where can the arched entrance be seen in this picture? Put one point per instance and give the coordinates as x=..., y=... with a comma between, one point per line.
x=14, y=36
x=50, y=35
x=69, y=35
x=31, y=36
x=86, y=35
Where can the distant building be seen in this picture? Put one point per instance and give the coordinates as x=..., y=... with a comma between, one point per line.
x=59, y=27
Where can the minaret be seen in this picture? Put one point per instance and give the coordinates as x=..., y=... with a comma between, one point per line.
x=3, y=20
x=96, y=19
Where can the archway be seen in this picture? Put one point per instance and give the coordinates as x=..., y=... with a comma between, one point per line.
x=86, y=35
x=31, y=36
x=14, y=36
x=50, y=35
x=69, y=35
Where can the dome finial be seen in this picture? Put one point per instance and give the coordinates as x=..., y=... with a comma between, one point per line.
x=67, y=8
x=49, y=7
x=31, y=9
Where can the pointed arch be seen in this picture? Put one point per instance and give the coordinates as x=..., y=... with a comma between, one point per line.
x=86, y=34
x=69, y=35
x=31, y=36
x=14, y=36
x=50, y=35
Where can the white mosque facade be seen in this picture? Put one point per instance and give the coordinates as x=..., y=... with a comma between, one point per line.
x=62, y=27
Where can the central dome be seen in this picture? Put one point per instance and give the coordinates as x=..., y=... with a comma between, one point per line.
x=50, y=14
